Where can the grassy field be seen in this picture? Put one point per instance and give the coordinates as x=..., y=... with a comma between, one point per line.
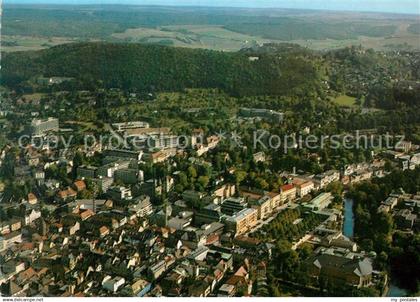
x=85, y=126
x=192, y=36
x=24, y=43
x=219, y=38
x=143, y=32
x=33, y=96
x=35, y=28
x=345, y=101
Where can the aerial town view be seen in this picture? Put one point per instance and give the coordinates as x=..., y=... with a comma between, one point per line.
x=187, y=148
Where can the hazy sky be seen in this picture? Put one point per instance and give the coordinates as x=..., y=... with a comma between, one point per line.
x=394, y=6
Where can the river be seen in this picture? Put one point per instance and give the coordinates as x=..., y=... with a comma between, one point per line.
x=348, y=226
x=395, y=291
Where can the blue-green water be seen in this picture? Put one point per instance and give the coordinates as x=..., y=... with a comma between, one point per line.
x=395, y=291
x=348, y=226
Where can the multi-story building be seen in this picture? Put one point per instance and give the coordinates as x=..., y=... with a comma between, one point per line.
x=208, y=214
x=388, y=204
x=40, y=127
x=263, y=206
x=113, y=284
x=324, y=179
x=288, y=193
x=192, y=196
x=129, y=176
x=242, y=221
x=142, y=206
x=320, y=202
x=139, y=288
x=103, y=183
x=66, y=195
x=123, y=154
x=158, y=157
x=130, y=125
x=157, y=269
x=261, y=201
x=197, y=137
x=86, y=172
x=339, y=269
x=265, y=114
x=233, y=205
x=403, y=146
x=361, y=176
x=108, y=170
x=303, y=187
x=181, y=221
x=225, y=191
x=119, y=193
x=9, y=239
x=31, y=216
x=275, y=199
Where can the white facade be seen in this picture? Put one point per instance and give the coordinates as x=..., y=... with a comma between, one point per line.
x=113, y=284
x=32, y=216
x=305, y=188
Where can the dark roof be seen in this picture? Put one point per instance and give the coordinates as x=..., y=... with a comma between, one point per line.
x=357, y=266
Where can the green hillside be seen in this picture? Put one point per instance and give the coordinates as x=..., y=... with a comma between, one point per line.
x=160, y=68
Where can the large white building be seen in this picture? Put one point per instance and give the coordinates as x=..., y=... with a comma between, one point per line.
x=8, y=240
x=320, y=202
x=243, y=221
x=143, y=207
x=31, y=216
x=303, y=187
x=324, y=179
x=113, y=284
x=130, y=125
x=40, y=127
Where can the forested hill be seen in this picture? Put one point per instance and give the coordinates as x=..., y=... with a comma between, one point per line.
x=160, y=68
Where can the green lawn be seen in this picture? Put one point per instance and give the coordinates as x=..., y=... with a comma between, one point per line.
x=345, y=101
x=34, y=96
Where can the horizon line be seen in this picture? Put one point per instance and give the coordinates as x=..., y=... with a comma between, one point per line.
x=350, y=10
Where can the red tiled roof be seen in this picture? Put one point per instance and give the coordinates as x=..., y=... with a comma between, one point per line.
x=212, y=238
x=27, y=274
x=272, y=194
x=69, y=192
x=103, y=230
x=86, y=214
x=241, y=272
x=80, y=185
x=32, y=197
x=287, y=187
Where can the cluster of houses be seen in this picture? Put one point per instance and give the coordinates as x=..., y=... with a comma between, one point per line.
x=90, y=247
x=62, y=240
x=126, y=246
x=405, y=209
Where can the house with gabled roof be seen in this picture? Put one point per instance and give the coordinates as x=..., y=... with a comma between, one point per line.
x=348, y=270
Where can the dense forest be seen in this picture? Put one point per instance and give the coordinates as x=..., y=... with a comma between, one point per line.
x=375, y=79
x=159, y=68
